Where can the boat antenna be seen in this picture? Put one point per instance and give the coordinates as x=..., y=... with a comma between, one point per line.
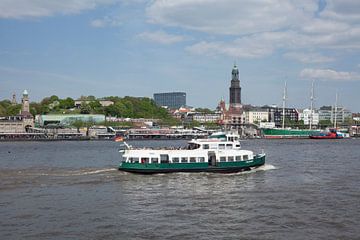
x=284, y=105
x=311, y=105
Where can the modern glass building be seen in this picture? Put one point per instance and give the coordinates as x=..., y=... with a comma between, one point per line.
x=67, y=119
x=171, y=99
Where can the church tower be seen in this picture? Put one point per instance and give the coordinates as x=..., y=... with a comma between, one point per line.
x=25, y=109
x=13, y=101
x=235, y=89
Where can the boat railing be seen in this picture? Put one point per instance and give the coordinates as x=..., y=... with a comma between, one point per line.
x=160, y=148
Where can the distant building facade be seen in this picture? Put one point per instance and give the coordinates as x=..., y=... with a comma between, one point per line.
x=206, y=117
x=21, y=122
x=276, y=115
x=328, y=113
x=67, y=119
x=309, y=116
x=103, y=103
x=255, y=115
x=173, y=100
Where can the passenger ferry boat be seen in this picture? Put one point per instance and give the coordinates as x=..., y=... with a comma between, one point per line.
x=219, y=153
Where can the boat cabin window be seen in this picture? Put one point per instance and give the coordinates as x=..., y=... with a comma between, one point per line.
x=155, y=160
x=164, y=158
x=192, y=159
x=230, y=159
x=206, y=146
x=229, y=146
x=134, y=160
x=238, y=158
x=246, y=157
x=192, y=146
x=175, y=159
x=222, y=159
x=184, y=159
x=201, y=159
x=237, y=145
x=221, y=146
x=213, y=146
x=144, y=160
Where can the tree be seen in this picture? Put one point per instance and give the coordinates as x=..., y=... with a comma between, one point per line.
x=204, y=110
x=67, y=103
x=85, y=108
x=325, y=123
x=78, y=124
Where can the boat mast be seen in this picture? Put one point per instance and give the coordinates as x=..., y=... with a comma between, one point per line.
x=311, y=104
x=336, y=100
x=284, y=105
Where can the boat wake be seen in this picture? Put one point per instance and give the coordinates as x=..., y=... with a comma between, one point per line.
x=266, y=167
x=81, y=172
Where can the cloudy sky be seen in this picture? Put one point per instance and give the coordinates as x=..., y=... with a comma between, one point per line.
x=138, y=47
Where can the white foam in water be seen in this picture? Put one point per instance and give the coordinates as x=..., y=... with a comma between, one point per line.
x=79, y=172
x=266, y=167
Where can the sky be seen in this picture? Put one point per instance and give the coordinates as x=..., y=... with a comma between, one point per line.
x=122, y=48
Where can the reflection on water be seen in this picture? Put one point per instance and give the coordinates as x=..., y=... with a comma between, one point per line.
x=73, y=190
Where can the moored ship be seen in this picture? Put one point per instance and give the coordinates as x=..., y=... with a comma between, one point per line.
x=219, y=153
x=288, y=133
x=331, y=134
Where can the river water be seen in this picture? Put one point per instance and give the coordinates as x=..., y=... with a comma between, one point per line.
x=71, y=190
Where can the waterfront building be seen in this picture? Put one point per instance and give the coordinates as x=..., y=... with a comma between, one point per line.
x=327, y=113
x=308, y=116
x=255, y=115
x=60, y=120
x=103, y=102
x=206, y=117
x=173, y=100
x=276, y=115
x=21, y=122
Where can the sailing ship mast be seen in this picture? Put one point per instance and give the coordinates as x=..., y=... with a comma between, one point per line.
x=284, y=105
x=311, y=105
x=336, y=101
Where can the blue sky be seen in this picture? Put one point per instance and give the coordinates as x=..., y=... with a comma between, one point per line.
x=138, y=47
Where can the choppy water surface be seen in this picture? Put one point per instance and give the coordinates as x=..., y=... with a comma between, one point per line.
x=72, y=190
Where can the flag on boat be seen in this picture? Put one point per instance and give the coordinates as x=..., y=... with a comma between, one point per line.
x=119, y=139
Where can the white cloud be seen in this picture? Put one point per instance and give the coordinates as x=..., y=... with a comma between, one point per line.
x=161, y=37
x=241, y=48
x=308, y=57
x=105, y=22
x=328, y=74
x=229, y=16
x=262, y=27
x=41, y=8
x=344, y=10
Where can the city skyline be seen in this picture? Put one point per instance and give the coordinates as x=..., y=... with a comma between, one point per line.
x=138, y=47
